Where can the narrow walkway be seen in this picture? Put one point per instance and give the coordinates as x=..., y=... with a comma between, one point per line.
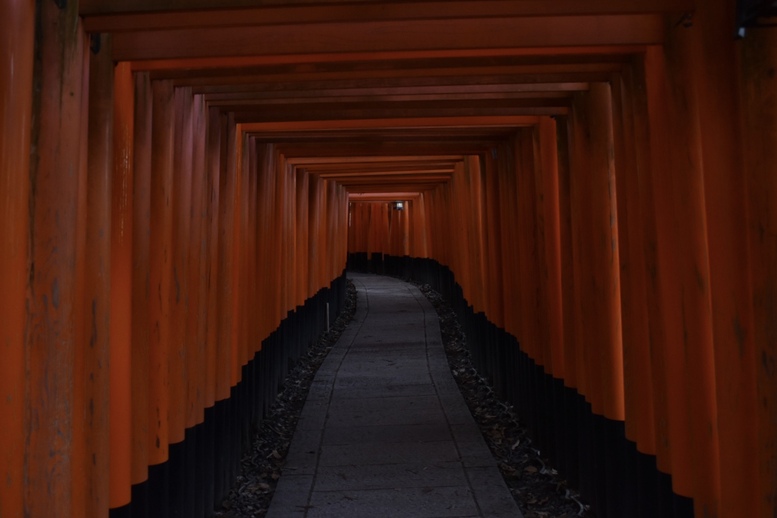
x=385, y=431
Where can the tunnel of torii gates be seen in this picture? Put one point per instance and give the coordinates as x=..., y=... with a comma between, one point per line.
x=183, y=184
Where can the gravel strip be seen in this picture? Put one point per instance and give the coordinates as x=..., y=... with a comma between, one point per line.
x=538, y=489
x=261, y=466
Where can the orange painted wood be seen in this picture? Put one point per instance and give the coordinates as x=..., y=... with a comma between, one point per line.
x=473, y=196
x=224, y=280
x=99, y=15
x=255, y=338
x=92, y=422
x=16, y=79
x=596, y=252
x=265, y=206
x=568, y=285
x=238, y=155
x=635, y=235
x=302, y=195
x=57, y=172
x=492, y=227
x=121, y=315
x=759, y=113
x=390, y=36
x=181, y=201
x=213, y=227
x=683, y=273
x=547, y=185
x=528, y=254
x=81, y=390
x=733, y=358
x=141, y=271
x=510, y=241
x=161, y=281
x=541, y=237
x=199, y=254
x=316, y=244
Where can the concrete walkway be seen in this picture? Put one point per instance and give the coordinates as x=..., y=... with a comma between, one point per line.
x=385, y=431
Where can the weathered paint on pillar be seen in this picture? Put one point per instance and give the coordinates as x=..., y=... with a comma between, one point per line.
x=56, y=171
x=121, y=427
x=161, y=270
x=179, y=290
x=568, y=302
x=235, y=172
x=141, y=280
x=528, y=258
x=224, y=285
x=682, y=274
x=92, y=416
x=547, y=185
x=635, y=236
x=596, y=233
x=16, y=90
x=759, y=114
x=213, y=172
x=732, y=361
x=197, y=315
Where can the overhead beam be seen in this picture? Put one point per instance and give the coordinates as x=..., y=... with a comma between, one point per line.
x=490, y=121
x=416, y=36
x=129, y=15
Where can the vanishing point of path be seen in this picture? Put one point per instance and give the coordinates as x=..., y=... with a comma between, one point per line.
x=385, y=431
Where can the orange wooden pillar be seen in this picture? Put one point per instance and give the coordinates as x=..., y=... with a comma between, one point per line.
x=178, y=348
x=211, y=356
x=304, y=290
x=265, y=206
x=242, y=249
x=196, y=315
x=16, y=74
x=715, y=61
x=253, y=341
x=685, y=352
x=213, y=172
x=91, y=424
x=316, y=245
x=594, y=197
x=528, y=253
x=181, y=201
x=636, y=234
x=331, y=230
x=141, y=290
x=227, y=202
x=227, y=314
x=58, y=173
x=759, y=115
x=597, y=284
x=493, y=244
x=418, y=227
x=571, y=452
x=547, y=189
x=121, y=415
x=508, y=192
x=161, y=283
x=570, y=332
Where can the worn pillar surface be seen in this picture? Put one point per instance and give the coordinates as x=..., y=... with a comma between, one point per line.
x=759, y=117
x=161, y=269
x=16, y=92
x=685, y=354
x=57, y=173
x=121, y=404
x=141, y=289
x=92, y=420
